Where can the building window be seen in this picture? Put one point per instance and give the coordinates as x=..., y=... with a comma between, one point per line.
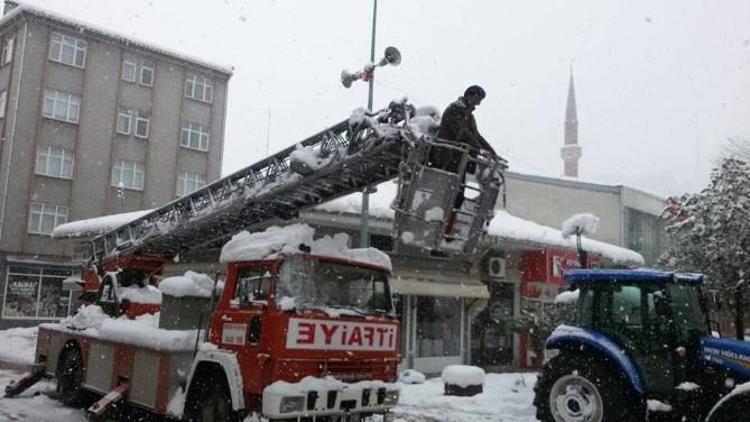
x=147, y=73
x=199, y=87
x=128, y=175
x=45, y=217
x=438, y=326
x=61, y=105
x=54, y=161
x=3, y=99
x=124, y=119
x=195, y=136
x=6, y=55
x=129, y=67
x=67, y=50
x=33, y=292
x=141, y=124
x=188, y=182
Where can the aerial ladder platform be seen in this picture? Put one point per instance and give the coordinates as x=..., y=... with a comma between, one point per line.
x=359, y=152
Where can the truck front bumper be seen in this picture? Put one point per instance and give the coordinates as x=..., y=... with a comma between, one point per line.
x=313, y=397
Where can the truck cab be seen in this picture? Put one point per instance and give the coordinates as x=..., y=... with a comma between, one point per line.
x=303, y=315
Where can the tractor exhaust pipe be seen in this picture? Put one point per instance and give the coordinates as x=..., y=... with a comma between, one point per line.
x=739, y=311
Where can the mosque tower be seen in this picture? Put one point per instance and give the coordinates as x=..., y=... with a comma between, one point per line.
x=571, y=151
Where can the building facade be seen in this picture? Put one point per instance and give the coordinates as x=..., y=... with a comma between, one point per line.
x=92, y=124
x=628, y=217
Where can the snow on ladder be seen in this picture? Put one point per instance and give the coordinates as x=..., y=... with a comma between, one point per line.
x=347, y=157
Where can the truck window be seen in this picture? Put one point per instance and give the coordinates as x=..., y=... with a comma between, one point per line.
x=253, y=286
x=316, y=283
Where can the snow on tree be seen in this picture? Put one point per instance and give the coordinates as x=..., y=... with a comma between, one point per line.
x=710, y=230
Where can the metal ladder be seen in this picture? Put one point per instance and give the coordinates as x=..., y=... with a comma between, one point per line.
x=354, y=154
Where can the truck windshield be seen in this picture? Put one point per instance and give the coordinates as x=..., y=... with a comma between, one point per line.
x=314, y=283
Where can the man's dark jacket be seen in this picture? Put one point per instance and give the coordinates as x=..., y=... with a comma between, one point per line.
x=458, y=125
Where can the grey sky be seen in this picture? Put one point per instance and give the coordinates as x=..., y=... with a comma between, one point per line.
x=660, y=85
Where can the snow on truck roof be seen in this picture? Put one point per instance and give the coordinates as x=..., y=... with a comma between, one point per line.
x=641, y=274
x=276, y=240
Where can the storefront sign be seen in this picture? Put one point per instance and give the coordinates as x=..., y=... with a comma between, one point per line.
x=313, y=334
x=543, y=272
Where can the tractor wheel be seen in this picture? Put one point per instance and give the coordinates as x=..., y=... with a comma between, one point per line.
x=210, y=401
x=730, y=409
x=70, y=376
x=577, y=389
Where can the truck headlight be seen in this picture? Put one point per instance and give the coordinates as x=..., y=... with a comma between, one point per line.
x=391, y=398
x=291, y=404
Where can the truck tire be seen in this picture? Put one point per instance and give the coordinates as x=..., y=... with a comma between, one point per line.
x=210, y=401
x=70, y=376
x=583, y=388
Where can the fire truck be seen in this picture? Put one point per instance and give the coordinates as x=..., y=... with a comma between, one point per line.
x=293, y=333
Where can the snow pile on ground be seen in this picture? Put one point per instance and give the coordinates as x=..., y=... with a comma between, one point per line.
x=583, y=224
x=247, y=246
x=507, y=226
x=506, y=398
x=568, y=297
x=95, y=226
x=147, y=295
x=191, y=284
x=463, y=375
x=17, y=345
x=411, y=376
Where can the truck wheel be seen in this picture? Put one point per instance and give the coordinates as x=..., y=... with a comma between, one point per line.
x=577, y=389
x=211, y=401
x=70, y=376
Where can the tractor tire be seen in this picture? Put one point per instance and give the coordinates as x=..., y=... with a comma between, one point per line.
x=70, y=376
x=731, y=409
x=584, y=388
x=210, y=401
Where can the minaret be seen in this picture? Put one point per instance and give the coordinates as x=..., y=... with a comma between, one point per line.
x=571, y=151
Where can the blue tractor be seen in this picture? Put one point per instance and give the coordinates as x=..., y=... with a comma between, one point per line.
x=642, y=340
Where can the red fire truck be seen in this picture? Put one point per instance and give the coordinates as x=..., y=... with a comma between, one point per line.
x=296, y=332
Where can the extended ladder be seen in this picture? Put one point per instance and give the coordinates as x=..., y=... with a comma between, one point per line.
x=347, y=157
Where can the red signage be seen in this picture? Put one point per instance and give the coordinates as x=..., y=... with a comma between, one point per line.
x=542, y=272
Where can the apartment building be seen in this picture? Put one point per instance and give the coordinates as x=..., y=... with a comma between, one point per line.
x=92, y=123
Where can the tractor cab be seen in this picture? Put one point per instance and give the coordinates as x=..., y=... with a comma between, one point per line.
x=658, y=318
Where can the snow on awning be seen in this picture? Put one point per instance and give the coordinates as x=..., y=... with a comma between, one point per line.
x=505, y=226
x=95, y=226
x=467, y=288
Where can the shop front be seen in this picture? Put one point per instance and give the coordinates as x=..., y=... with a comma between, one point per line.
x=435, y=313
x=35, y=291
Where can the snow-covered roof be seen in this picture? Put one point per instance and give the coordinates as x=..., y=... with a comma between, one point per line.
x=505, y=226
x=129, y=41
x=247, y=246
x=95, y=226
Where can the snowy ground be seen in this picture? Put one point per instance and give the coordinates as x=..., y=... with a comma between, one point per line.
x=506, y=397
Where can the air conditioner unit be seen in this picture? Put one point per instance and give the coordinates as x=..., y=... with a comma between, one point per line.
x=496, y=267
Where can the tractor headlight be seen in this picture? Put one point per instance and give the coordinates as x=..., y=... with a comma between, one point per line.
x=391, y=398
x=291, y=404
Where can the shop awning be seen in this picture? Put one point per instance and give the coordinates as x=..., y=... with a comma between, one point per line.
x=467, y=288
